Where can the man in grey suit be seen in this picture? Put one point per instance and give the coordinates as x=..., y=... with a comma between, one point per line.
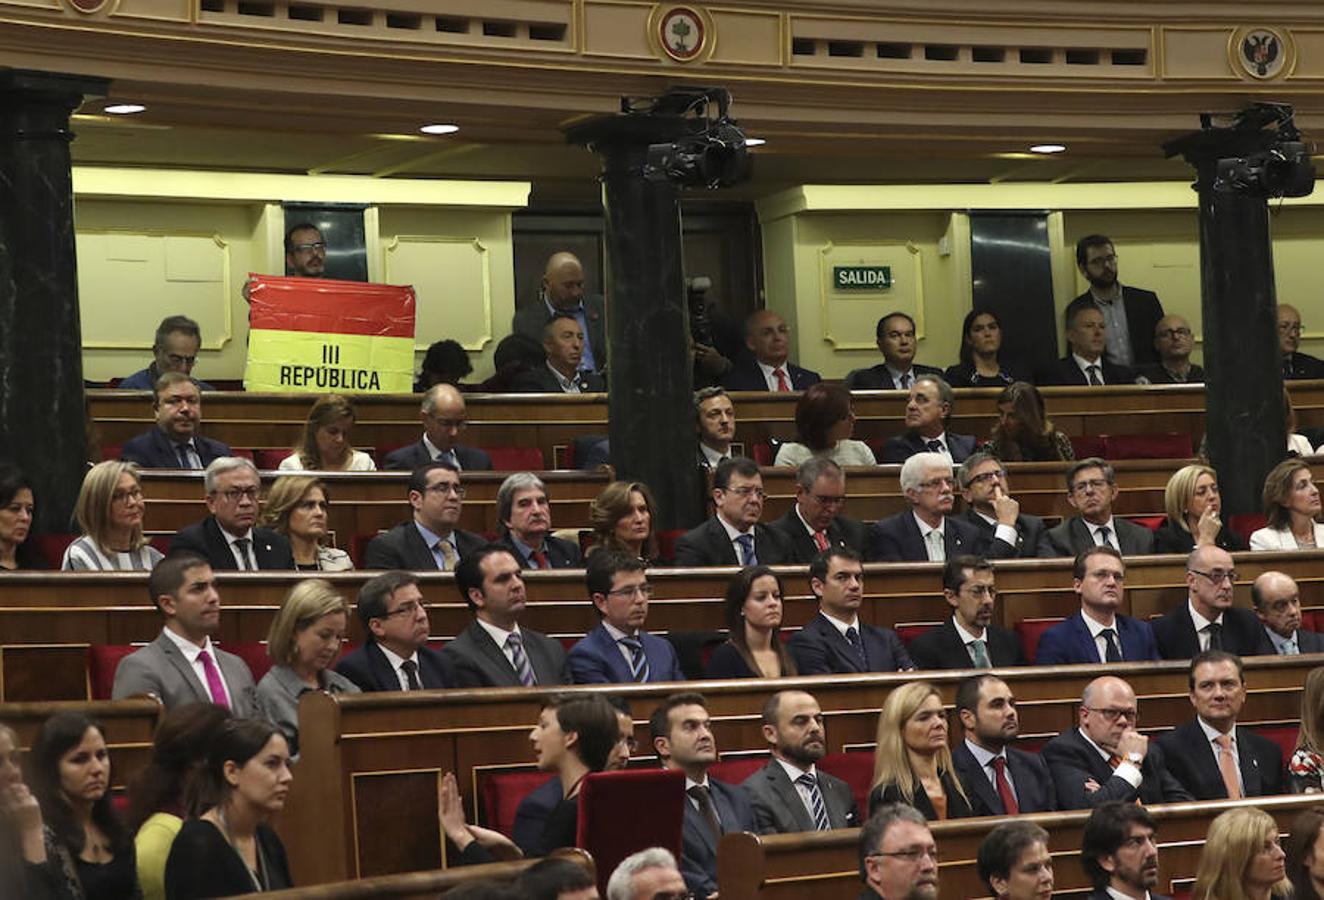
x=790, y=794
x=1092, y=489
x=182, y=666
x=494, y=651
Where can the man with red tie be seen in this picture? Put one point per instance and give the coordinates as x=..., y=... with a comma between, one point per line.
x=999, y=779
x=816, y=522
x=526, y=524
x=769, y=338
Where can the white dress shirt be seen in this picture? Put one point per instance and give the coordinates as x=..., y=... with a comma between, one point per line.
x=1096, y=631
x=1084, y=365
x=771, y=379
x=192, y=652
x=246, y=563
x=985, y=760
x=1126, y=770
x=936, y=548
x=397, y=662
x=1202, y=624
x=1112, y=533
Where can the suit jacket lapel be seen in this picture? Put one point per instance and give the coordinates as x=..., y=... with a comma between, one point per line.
x=494, y=659
x=1083, y=636
x=1080, y=534
x=697, y=826
x=543, y=667
x=380, y=666
x=417, y=552
x=612, y=654
x=183, y=667
x=913, y=538
x=787, y=793
x=842, y=647
x=975, y=780
x=218, y=548
x=1251, y=783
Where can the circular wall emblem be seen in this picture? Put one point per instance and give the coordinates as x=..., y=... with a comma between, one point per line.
x=682, y=33
x=1262, y=53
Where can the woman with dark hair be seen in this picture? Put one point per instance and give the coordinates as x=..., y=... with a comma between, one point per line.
x=1291, y=506
x=980, y=366
x=445, y=362
x=622, y=519
x=753, y=610
x=16, y=505
x=824, y=422
x=92, y=850
x=156, y=795
x=229, y=848
x=1305, y=855
x=324, y=444
x=25, y=869
x=1024, y=433
x=574, y=736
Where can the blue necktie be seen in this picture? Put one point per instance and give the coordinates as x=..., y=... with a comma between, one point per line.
x=746, y=542
x=638, y=660
x=854, y=637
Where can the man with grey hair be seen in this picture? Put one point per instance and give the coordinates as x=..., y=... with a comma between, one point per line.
x=646, y=875
x=925, y=532
x=928, y=406
x=1092, y=490
x=898, y=855
x=175, y=441
x=990, y=508
x=227, y=538
x=174, y=349
x=715, y=418
x=1277, y=603
x=815, y=522
x=443, y=415
x=526, y=524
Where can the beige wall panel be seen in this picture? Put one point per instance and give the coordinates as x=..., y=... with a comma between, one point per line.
x=751, y=38
x=901, y=31
x=617, y=29
x=1298, y=239
x=40, y=4
x=158, y=10
x=1309, y=54
x=1196, y=53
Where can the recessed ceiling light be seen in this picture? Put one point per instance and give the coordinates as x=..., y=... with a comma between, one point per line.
x=754, y=142
x=439, y=128
x=125, y=109
x=1048, y=148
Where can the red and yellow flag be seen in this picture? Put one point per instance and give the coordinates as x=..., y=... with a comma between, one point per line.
x=318, y=335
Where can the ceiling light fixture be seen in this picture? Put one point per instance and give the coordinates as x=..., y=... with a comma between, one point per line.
x=1048, y=148
x=125, y=109
x=439, y=128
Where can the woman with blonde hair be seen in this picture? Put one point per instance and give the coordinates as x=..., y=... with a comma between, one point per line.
x=1242, y=859
x=1192, y=503
x=622, y=519
x=109, y=511
x=324, y=444
x=913, y=764
x=304, y=643
x=298, y=507
x=1291, y=504
x=1305, y=770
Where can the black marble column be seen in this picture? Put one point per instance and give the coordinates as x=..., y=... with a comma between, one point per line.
x=649, y=373
x=42, y=419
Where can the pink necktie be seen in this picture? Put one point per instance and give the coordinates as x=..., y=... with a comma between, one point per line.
x=214, y=683
x=1227, y=766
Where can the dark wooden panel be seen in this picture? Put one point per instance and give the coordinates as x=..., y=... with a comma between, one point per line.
x=395, y=816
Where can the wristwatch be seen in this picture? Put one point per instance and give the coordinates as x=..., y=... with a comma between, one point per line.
x=1134, y=758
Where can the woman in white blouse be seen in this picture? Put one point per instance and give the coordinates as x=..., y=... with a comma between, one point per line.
x=1291, y=503
x=824, y=422
x=324, y=445
x=298, y=506
x=109, y=512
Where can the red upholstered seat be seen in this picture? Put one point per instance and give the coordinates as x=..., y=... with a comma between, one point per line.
x=1086, y=445
x=908, y=631
x=52, y=547
x=1246, y=524
x=1147, y=446
x=1150, y=522
x=268, y=457
x=243, y=452
x=762, y=453
x=358, y=545
x=1311, y=619
x=666, y=544
x=111, y=451
x=1282, y=735
x=1030, y=630
x=501, y=792
x=253, y=653
x=735, y=769
x=102, y=661
x=855, y=767
x=607, y=800
x=516, y=459
x=161, y=542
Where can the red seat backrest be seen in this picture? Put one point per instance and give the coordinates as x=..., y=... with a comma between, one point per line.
x=735, y=769
x=102, y=661
x=243, y=453
x=1311, y=619
x=1086, y=445
x=608, y=799
x=253, y=653
x=358, y=545
x=855, y=767
x=1151, y=522
x=501, y=792
x=111, y=451
x=268, y=458
x=762, y=453
x=1030, y=630
x=1246, y=524
x=666, y=544
x=52, y=547
x=516, y=459
x=161, y=542
x=1147, y=446
x=908, y=631
x=1282, y=735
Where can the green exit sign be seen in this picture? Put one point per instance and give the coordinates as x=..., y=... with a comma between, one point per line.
x=861, y=278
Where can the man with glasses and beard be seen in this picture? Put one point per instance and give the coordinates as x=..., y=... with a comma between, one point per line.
x=1131, y=313
x=898, y=855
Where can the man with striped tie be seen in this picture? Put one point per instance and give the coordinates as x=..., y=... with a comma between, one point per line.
x=619, y=651
x=495, y=651
x=790, y=793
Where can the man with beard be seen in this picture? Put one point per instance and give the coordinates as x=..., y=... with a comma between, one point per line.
x=969, y=637
x=898, y=855
x=1131, y=313
x=999, y=779
x=789, y=793
x=1119, y=853
x=1173, y=341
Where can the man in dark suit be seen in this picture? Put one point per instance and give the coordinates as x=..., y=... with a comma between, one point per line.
x=174, y=349
x=925, y=533
x=1173, y=340
x=227, y=537
x=815, y=522
x=683, y=739
x=619, y=651
x=1085, y=362
x=174, y=442
x=898, y=855
x=1098, y=633
x=443, y=414
x=895, y=334
x=1106, y=758
x=1132, y=313
x=1092, y=490
x=768, y=337
x=1295, y=363
x=1119, y=852
x=182, y=665
x=969, y=638
x=1212, y=757
x=715, y=420
x=525, y=515
x=430, y=540
x=1007, y=532
x=1208, y=620
x=734, y=536
x=562, y=291
x=1277, y=602
x=564, y=371
x=835, y=641
x=929, y=406
x=395, y=656
x=495, y=651
x=999, y=779
x=790, y=793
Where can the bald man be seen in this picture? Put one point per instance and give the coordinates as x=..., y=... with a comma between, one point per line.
x=1295, y=363
x=1173, y=339
x=562, y=293
x=768, y=337
x=1277, y=602
x=444, y=420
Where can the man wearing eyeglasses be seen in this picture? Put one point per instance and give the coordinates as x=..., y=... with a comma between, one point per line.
x=969, y=638
x=619, y=651
x=1211, y=756
x=898, y=855
x=1098, y=633
x=444, y=420
x=175, y=442
x=734, y=536
x=1174, y=340
x=227, y=538
x=1091, y=491
x=174, y=349
x=1208, y=620
x=1106, y=758
x=305, y=251
x=926, y=532
x=395, y=656
x=1295, y=363
x=816, y=522
x=1131, y=313
x=431, y=540
x=1007, y=532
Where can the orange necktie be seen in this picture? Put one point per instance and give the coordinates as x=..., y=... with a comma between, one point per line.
x=1227, y=766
